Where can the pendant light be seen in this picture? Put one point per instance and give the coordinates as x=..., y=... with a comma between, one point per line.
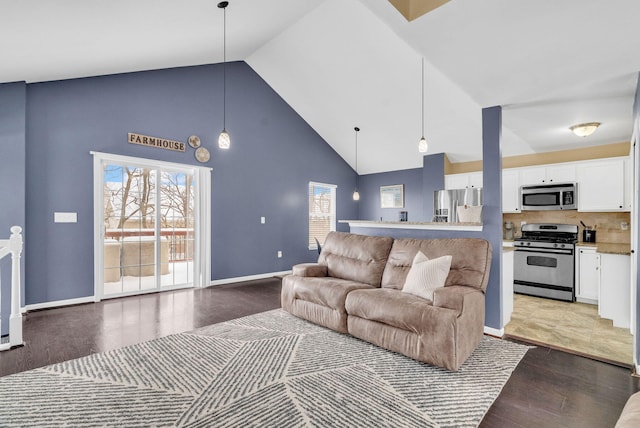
x=356, y=194
x=422, y=144
x=224, y=141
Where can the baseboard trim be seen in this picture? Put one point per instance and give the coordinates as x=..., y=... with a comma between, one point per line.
x=58, y=303
x=248, y=278
x=493, y=331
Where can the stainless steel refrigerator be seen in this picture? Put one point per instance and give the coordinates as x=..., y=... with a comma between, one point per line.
x=446, y=202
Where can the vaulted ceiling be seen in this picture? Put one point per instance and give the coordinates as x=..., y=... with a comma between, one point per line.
x=342, y=63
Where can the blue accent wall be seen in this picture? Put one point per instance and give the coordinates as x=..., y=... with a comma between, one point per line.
x=369, y=205
x=431, y=178
x=274, y=154
x=13, y=100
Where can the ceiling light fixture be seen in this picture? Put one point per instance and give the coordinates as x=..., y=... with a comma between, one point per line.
x=422, y=144
x=585, y=129
x=356, y=194
x=224, y=141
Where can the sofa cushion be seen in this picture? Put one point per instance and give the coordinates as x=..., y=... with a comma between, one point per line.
x=469, y=266
x=329, y=292
x=401, y=310
x=426, y=275
x=355, y=257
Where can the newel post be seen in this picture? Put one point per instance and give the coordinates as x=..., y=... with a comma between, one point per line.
x=15, y=320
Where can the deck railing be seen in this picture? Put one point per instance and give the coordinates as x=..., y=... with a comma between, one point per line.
x=13, y=246
x=180, y=240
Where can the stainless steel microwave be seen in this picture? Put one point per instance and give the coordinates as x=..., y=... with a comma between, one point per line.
x=557, y=196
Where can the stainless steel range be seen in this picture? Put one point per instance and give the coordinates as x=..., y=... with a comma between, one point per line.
x=544, y=261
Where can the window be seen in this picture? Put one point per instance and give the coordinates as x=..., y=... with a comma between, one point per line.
x=322, y=212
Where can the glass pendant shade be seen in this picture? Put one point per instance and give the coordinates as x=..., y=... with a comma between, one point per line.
x=356, y=195
x=422, y=145
x=224, y=141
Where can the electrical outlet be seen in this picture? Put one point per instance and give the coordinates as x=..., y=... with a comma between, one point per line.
x=263, y=220
x=279, y=254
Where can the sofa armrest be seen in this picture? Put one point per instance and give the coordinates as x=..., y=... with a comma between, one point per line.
x=453, y=297
x=310, y=269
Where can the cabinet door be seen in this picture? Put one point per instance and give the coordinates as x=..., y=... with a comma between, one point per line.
x=475, y=179
x=615, y=282
x=588, y=278
x=510, y=191
x=601, y=186
x=456, y=181
x=561, y=173
x=533, y=175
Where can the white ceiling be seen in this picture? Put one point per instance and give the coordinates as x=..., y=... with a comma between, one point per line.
x=342, y=63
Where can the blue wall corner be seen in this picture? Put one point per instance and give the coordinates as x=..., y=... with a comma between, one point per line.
x=492, y=209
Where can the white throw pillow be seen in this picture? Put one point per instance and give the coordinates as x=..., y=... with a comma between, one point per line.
x=426, y=275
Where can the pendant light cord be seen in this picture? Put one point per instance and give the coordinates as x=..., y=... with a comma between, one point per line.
x=224, y=69
x=356, y=129
x=422, y=97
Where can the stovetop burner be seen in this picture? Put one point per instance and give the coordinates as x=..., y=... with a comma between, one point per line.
x=546, y=232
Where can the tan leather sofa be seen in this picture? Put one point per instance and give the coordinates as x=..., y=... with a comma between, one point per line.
x=630, y=416
x=355, y=288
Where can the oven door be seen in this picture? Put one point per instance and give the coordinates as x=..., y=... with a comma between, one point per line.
x=545, y=273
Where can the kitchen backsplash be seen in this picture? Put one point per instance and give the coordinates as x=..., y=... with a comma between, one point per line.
x=609, y=225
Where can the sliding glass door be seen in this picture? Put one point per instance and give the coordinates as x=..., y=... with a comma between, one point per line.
x=149, y=227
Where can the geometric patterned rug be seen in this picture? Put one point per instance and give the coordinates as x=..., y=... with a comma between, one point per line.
x=269, y=370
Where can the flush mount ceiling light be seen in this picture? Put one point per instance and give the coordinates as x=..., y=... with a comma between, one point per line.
x=356, y=195
x=224, y=141
x=585, y=129
x=422, y=144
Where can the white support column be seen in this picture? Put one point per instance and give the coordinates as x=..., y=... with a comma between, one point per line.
x=15, y=319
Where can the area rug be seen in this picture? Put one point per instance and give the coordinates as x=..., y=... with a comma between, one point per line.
x=266, y=370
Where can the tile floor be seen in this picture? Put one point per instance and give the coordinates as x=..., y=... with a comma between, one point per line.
x=570, y=326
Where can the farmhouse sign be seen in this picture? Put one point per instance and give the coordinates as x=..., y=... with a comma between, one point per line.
x=160, y=143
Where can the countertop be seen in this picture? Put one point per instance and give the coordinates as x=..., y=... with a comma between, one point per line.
x=601, y=247
x=427, y=225
x=607, y=248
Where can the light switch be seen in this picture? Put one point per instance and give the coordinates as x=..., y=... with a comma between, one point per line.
x=65, y=217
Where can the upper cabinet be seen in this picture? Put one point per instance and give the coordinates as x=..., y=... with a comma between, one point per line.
x=511, y=190
x=463, y=181
x=548, y=174
x=602, y=185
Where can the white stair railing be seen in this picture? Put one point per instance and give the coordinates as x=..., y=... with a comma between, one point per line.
x=13, y=246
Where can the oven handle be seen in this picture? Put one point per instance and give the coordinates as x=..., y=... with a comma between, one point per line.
x=545, y=250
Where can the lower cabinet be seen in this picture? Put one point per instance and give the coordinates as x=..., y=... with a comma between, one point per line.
x=615, y=282
x=507, y=285
x=587, y=275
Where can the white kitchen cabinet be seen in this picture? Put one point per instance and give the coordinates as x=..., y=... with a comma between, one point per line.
x=510, y=191
x=615, y=282
x=587, y=275
x=548, y=174
x=463, y=181
x=628, y=184
x=601, y=185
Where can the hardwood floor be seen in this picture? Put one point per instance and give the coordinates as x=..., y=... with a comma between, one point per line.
x=549, y=388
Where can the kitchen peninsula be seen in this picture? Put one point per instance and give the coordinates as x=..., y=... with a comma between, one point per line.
x=472, y=227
